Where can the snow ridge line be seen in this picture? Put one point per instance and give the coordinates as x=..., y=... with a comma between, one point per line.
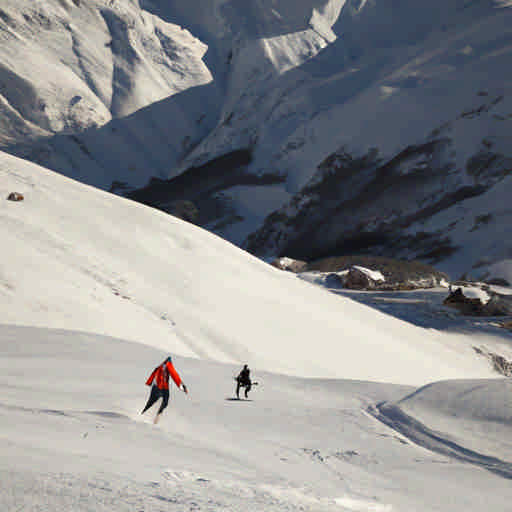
x=392, y=416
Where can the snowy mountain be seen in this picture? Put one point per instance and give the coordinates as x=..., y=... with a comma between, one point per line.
x=304, y=128
x=95, y=290
x=287, y=127
x=85, y=260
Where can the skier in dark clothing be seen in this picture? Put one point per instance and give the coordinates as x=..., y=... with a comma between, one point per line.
x=243, y=380
x=159, y=382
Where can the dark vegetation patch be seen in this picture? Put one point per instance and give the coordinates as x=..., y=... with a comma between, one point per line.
x=219, y=173
x=497, y=281
x=366, y=205
x=446, y=201
x=201, y=188
x=358, y=242
x=431, y=247
x=398, y=273
x=119, y=187
x=363, y=205
x=442, y=250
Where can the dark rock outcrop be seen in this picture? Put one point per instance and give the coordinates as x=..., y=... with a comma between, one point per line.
x=398, y=274
x=289, y=264
x=356, y=279
x=15, y=196
x=497, y=305
x=366, y=204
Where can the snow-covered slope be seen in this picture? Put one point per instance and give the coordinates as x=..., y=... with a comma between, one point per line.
x=68, y=68
x=95, y=290
x=457, y=408
x=78, y=258
x=80, y=267
x=72, y=438
x=421, y=123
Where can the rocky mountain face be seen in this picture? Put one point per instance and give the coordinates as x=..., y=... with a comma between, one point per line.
x=378, y=205
x=303, y=128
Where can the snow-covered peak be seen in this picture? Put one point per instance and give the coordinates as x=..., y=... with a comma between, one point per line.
x=68, y=66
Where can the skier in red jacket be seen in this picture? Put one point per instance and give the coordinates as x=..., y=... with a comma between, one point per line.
x=159, y=382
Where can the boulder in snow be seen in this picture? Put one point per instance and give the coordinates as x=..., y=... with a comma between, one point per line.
x=479, y=302
x=466, y=305
x=360, y=278
x=388, y=274
x=15, y=196
x=289, y=264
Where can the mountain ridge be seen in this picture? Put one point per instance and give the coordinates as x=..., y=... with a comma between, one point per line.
x=138, y=90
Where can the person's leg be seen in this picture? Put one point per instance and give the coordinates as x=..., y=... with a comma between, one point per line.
x=247, y=389
x=238, y=389
x=153, y=397
x=165, y=400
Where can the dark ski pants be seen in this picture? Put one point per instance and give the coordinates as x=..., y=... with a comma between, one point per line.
x=246, y=385
x=157, y=393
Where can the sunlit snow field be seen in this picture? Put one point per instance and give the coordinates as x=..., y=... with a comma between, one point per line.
x=364, y=402
x=96, y=290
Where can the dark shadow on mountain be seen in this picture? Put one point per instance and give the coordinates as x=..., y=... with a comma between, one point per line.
x=438, y=442
x=122, y=80
x=424, y=308
x=202, y=188
x=365, y=204
x=211, y=175
x=255, y=19
x=149, y=142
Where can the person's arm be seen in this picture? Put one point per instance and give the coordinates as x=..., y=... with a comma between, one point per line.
x=176, y=377
x=151, y=377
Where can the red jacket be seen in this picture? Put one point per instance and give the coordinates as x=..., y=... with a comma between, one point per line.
x=161, y=376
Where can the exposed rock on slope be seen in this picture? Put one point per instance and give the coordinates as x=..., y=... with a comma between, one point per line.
x=375, y=273
x=487, y=304
x=367, y=204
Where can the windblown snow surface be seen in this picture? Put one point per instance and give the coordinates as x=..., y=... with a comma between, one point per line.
x=96, y=290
